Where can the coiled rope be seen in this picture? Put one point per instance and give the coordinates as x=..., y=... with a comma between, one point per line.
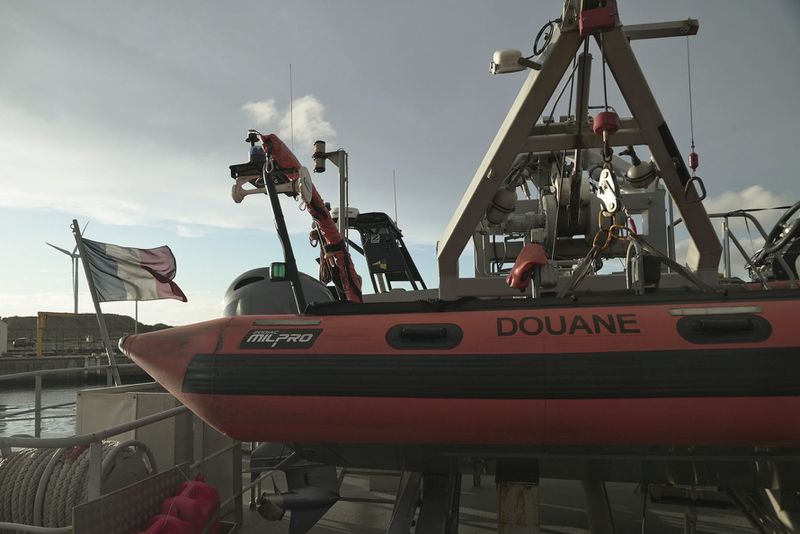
x=66, y=487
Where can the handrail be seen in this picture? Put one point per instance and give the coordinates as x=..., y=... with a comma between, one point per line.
x=32, y=410
x=736, y=213
x=37, y=418
x=37, y=376
x=86, y=439
x=94, y=439
x=745, y=214
x=215, y=454
x=66, y=370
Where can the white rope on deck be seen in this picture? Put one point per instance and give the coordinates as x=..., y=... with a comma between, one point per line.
x=66, y=486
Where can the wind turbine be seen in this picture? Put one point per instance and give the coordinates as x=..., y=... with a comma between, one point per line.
x=75, y=257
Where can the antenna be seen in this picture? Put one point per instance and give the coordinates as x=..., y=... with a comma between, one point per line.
x=291, y=110
x=394, y=185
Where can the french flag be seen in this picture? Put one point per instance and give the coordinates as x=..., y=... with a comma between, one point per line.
x=122, y=273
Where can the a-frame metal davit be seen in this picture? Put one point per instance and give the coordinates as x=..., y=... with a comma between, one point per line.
x=520, y=134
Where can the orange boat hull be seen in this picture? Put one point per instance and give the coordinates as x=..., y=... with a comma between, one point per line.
x=613, y=375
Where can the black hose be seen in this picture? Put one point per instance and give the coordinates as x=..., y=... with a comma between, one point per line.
x=548, y=36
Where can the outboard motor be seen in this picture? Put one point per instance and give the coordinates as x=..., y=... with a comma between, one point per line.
x=254, y=293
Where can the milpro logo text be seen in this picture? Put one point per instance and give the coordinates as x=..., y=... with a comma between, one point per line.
x=280, y=339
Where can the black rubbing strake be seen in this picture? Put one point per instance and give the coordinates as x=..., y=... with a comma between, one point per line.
x=646, y=374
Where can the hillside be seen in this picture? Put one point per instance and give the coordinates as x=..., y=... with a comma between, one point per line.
x=75, y=333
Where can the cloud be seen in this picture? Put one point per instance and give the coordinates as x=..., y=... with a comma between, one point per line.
x=130, y=181
x=304, y=121
x=201, y=306
x=263, y=112
x=189, y=231
x=754, y=196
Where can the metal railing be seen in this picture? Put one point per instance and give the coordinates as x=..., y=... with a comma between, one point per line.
x=94, y=441
x=728, y=237
x=37, y=379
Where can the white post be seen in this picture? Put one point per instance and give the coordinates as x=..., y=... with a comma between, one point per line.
x=95, y=471
x=37, y=416
x=343, y=196
x=75, y=282
x=726, y=247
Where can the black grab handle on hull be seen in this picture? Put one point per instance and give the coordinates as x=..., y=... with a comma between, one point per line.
x=423, y=332
x=725, y=329
x=424, y=336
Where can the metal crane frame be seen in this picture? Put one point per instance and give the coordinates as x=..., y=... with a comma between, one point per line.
x=520, y=133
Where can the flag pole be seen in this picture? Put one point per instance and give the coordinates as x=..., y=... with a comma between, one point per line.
x=101, y=322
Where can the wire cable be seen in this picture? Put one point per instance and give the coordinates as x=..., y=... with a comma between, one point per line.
x=560, y=94
x=603, y=57
x=545, y=31
x=689, y=71
x=571, y=86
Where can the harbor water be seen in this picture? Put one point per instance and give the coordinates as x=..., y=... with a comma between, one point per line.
x=56, y=421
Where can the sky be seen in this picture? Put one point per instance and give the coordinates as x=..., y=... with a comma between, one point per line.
x=127, y=114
